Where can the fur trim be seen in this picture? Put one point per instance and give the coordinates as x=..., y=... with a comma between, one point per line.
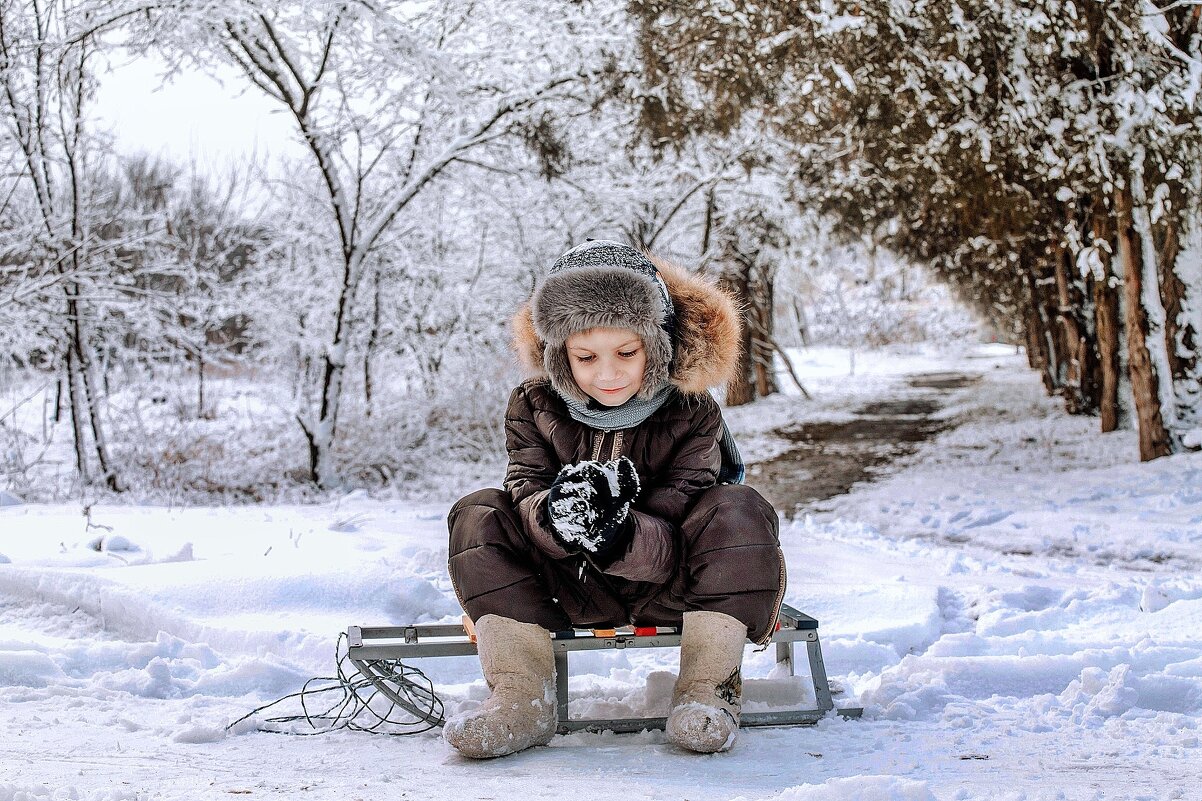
x=526, y=344
x=708, y=332
x=708, y=329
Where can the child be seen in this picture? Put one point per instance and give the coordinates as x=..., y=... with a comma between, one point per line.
x=616, y=509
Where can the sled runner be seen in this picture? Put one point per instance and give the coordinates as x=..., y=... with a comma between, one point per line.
x=374, y=650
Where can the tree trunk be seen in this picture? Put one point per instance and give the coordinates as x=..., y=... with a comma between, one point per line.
x=1106, y=309
x=1080, y=294
x=1153, y=436
x=803, y=325
x=58, y=399
x=741, y=389
x=1035, y=358
x=373, y=341
x=1091, y=368
x=77, y=415
x=1172, y=290
x=1182, y=289
x=1109, y=333
x=1072, y=343
x=85, y=400
x=324, y=430
x=1044, y=336
x=1126, y=393
x=1157, y=341
x=1189, y=271
x=711, y=208
x=92, y=403
x=76, y=258
x=200, y=385
x=321, y=438
x=763, y=298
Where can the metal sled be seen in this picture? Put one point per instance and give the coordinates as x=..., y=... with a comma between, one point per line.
x=368, y=645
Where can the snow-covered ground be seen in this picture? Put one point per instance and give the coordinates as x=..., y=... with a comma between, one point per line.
x=1017, y=606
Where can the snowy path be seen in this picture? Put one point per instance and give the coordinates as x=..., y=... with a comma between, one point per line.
x=1015, y=604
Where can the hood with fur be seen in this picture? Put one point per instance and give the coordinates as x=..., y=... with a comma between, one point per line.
x=707, y=332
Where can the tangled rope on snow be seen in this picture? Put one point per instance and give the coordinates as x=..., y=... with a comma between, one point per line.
x=405, y=689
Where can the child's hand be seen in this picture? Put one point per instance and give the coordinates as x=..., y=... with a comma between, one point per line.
x=569, y=504
x=589, y=505
x=613, y=527
x=627, y=479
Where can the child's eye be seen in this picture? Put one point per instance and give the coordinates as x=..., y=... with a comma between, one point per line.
x=628, y=354
x=585, y=359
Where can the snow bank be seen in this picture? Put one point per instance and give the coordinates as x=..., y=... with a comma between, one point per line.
x=30, y=792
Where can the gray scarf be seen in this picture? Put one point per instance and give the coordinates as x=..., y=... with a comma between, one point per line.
x=612, y=418
x=636, y=410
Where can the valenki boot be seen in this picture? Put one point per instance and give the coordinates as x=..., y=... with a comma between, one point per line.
x=709, y=691
x=519, y=668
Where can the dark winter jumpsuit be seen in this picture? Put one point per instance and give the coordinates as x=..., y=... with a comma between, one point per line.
x=695, y=545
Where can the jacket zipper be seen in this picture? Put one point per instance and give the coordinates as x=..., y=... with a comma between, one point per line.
x=455, y=587
x=780, y=599
x=615, y=449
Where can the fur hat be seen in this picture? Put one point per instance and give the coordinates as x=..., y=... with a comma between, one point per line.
x=601, y=284
x=689, y=327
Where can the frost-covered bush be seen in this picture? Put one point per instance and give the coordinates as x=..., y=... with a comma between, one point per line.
x=248, y=448
x=853, y=294
x=861, y=316
x=437, y=438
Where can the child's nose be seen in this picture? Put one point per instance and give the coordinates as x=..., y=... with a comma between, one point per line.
x=609, y=370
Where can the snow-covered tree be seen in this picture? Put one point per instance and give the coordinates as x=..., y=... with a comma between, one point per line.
x=387, y=99
x=1015, y=146
x=46, y=50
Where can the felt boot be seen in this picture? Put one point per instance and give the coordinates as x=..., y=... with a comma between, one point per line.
x=709, y=691
x=519, y=668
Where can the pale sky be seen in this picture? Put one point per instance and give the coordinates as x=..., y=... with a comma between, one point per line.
x=194, y=117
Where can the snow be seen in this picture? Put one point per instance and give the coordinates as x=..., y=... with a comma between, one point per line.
x=1017, y=606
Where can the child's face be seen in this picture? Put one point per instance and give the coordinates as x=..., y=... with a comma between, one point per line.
x=607, y=363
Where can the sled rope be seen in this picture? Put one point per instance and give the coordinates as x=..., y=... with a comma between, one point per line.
x=352, y=708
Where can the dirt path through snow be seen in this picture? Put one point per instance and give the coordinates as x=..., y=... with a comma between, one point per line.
x=828, y=458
